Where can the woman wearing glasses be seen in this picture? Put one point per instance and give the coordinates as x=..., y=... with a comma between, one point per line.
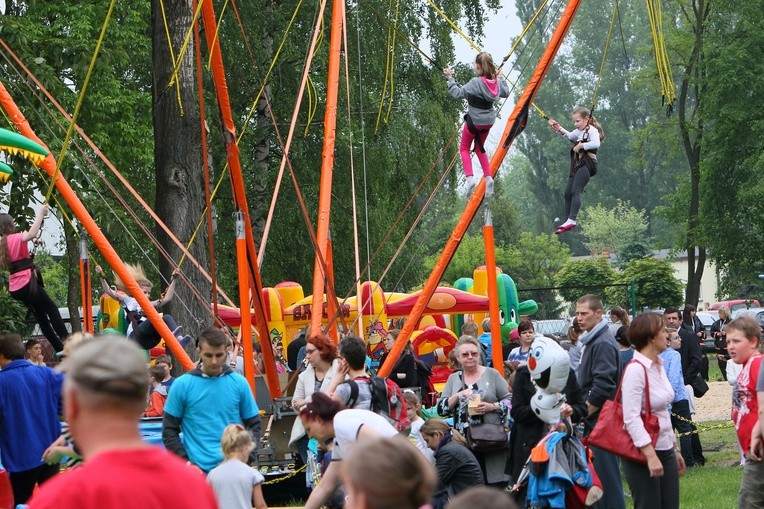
x=477, y=395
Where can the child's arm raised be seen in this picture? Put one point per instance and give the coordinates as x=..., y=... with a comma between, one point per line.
x=169, y=293
x=35, y=228
x=105, y=284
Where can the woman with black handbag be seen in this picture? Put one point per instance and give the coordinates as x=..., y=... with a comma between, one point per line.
x=654, y=485
x=477, y=399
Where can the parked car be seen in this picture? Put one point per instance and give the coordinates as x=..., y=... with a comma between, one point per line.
x=734, y=305
x=556, y=328
x=757, y=313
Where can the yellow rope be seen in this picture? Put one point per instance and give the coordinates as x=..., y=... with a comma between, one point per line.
x=525, y=31
x=453, y=25
x=217, y=31
x=604, y=56
x=183, y=49
x=391, y=27
x=201, y=220
x=172, y=53
x=479, y=49
x=392, y=61
x=80, y=100
x=267, y=74
x=668, y=90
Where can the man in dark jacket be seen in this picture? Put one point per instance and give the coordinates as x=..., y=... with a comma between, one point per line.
x=692, y=450
x=598, y=375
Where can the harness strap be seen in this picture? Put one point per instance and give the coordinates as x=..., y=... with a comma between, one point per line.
x=478, y=143
x=22, y=264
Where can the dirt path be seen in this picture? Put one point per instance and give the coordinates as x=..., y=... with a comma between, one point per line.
x=715, y=405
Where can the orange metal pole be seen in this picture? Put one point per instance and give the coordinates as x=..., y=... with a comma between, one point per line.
x=240, y=196
x=515, y=125
x=245, y=328
x=331, y=303
x=85, y=288
x=103, y=245
x=493, y=290
x=327, y=166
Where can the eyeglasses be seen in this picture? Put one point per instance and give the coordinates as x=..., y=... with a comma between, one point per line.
x=469, y=354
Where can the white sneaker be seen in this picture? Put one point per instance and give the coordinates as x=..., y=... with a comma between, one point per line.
x=471, y=184
x=488, y=186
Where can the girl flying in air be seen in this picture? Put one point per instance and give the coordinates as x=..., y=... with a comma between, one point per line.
x=481, y=92
x=583, y=160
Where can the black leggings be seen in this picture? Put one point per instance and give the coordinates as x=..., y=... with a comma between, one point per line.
x=147, y=336
x=45, y=312
x=576, y=184
x=23, y=482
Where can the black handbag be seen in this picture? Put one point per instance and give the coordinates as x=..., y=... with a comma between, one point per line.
x=486, y=437
x=699, y=387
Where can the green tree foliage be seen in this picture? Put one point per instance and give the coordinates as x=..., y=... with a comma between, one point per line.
x=579, y=277
x=732, y=190
x=657, y=287
x=613, y=229
x=536, y=260
x=639, y=159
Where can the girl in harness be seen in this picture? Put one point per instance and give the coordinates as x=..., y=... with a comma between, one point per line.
x=583, y=160
x=25, y=281
x=140, y=328
x=481, y=92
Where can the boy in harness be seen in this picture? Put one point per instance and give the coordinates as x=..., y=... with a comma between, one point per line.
x=139, y=327
x=480, y=92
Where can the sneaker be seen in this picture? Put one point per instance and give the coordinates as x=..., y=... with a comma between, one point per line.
x=564, y=228
x=184, y=341
x=178, y=332
x=488, y=186
x=471, y=184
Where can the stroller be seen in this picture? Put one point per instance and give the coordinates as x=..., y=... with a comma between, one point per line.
x=559, y=473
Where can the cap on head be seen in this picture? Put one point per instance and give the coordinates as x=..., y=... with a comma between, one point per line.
x=115, y=367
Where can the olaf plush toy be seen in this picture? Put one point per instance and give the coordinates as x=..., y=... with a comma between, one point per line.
x=549, y=365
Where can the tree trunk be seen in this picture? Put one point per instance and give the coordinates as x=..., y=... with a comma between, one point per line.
x=180, y=197
x=691, y=128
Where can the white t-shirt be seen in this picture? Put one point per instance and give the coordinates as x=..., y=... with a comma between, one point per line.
x=416, y=438
x=347, y=425
x=232, y=482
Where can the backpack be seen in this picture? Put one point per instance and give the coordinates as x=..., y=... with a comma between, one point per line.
x=424, y=372
x=386, y=400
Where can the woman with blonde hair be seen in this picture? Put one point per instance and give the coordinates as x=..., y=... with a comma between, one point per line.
x=140, y=329
x=456, y=465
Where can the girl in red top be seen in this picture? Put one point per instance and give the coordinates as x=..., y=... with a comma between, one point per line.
x=24, y=283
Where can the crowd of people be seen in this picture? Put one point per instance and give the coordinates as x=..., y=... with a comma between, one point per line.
x=353, y=452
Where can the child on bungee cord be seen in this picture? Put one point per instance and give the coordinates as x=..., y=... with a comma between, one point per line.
x=480, y=92
x=583, y=160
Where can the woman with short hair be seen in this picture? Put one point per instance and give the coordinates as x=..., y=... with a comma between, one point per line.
x=656, y=484
x=488, y=392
